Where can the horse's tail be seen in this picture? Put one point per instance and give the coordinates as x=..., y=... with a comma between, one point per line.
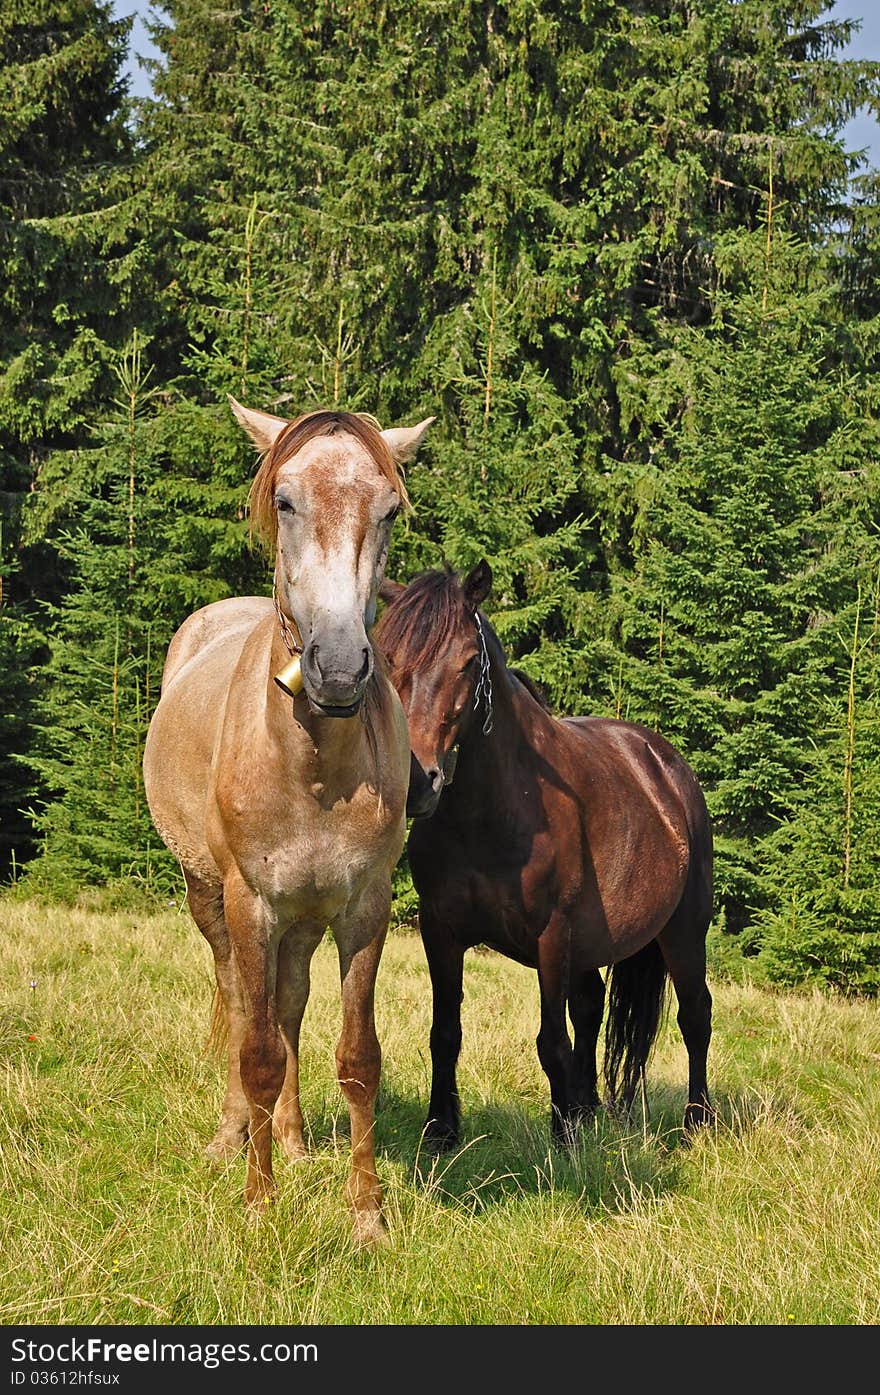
x=218, y=1031
x=635, y=1006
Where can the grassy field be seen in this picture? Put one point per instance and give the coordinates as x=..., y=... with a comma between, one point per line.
x=111, y=1215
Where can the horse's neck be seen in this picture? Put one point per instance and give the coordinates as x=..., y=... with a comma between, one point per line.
x=491, y=766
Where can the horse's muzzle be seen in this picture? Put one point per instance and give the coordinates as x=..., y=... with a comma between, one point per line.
x=335, y=709
x=335, y=688
x=426, y=786
x=290, y=681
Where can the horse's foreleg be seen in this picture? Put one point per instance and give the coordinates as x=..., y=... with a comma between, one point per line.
x=445, y=962
x=262, y=1057
x=206, y=906
x=586, y=1003
x=291, y=995
x=554, y=1046
x=358, y=1057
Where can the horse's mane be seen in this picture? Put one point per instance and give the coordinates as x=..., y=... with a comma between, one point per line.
x=419, y=619
x=295, y=435
x=531, y=687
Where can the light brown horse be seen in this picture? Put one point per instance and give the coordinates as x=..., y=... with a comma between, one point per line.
x=287, y=812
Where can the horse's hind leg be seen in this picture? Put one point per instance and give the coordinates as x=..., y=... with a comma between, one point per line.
x=586, y=1003
x=683, y=945
x=291, y=995
x=206, y=905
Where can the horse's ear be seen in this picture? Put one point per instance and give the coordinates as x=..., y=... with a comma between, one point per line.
x=262, y=429
x=389, y=590
x=404, y=441
x=477, y=584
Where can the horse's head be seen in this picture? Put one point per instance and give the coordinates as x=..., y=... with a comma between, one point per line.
x=434, y=640
x=325, y=497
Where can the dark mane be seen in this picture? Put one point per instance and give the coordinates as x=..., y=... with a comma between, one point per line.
x=531, y=687
x=419, y=620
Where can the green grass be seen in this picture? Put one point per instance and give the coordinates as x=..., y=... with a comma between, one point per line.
x=111, y=1215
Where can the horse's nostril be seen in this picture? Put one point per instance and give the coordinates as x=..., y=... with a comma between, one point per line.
x=365, y=665
x=435, y=779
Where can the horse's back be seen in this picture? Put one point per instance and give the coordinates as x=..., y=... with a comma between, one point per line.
x=640, y=745
x=644, y=751
x=230, y=621
x=666, y=782
x=185, y=726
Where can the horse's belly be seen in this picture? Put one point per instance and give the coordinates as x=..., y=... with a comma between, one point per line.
x=638, y=892
x=184, y=728
x=613, y=907
x=177, y=756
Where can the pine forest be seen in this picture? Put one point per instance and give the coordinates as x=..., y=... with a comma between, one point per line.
x=620, y=250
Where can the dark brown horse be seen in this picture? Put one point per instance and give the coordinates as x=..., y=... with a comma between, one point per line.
x=565, y=844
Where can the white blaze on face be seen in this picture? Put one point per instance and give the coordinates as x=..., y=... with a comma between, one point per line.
x=335, y=511
x=335, y=507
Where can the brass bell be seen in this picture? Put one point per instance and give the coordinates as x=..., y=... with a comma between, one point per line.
x=290, y=679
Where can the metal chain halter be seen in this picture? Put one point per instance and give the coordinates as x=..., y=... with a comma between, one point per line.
x=483, y=690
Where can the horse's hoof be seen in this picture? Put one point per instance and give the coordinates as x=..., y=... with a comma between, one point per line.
x=589, y=1108
x=370, y=1231
x=619, y=1111
x=565, y=1131
x=293, y=1147
x=226, y=1144
x=697, y=1116
x=258, y=1197
x=294, y=1154
x=440, y=1138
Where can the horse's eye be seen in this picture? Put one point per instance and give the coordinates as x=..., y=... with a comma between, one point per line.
x=284, y=505
x=391, y=514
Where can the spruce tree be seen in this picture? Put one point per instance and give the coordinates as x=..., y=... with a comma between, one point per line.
x=61, y=130
x=19, y=649
x=821, y=919
x=747, y=533
x=108, y=634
